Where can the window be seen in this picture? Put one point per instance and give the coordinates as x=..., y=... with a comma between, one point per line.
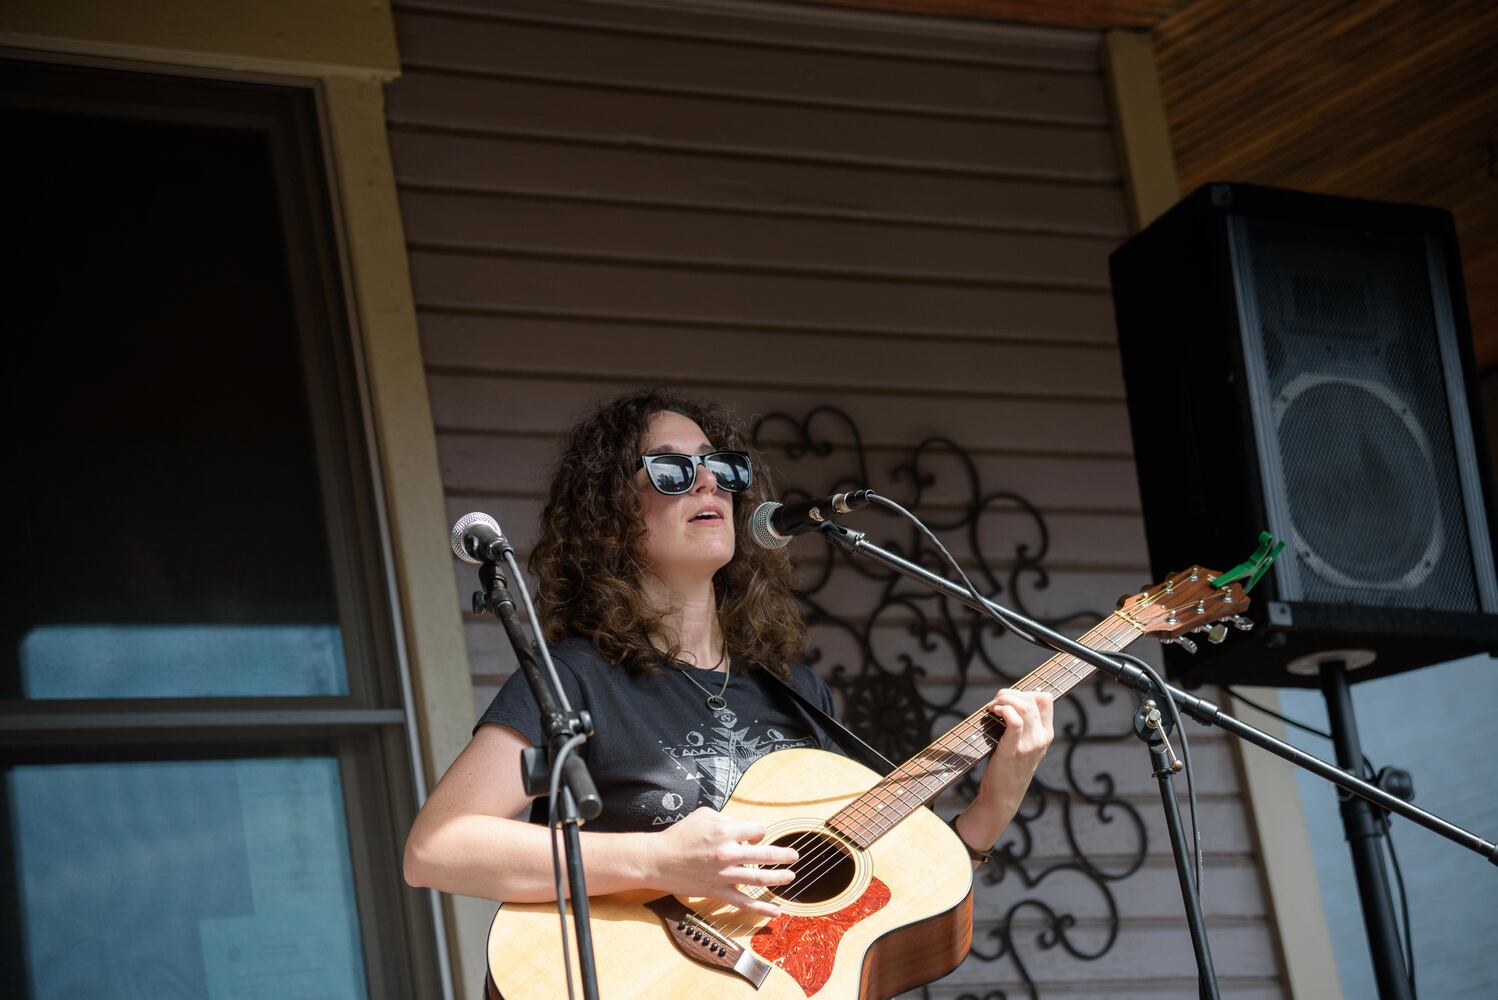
x=202, y=742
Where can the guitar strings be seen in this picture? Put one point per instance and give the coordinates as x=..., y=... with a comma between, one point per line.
x=1058, y=667
x=947, y=759
x=953, y=747
x=816, y=866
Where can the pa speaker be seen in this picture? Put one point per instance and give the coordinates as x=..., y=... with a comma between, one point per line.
x=1302, y=363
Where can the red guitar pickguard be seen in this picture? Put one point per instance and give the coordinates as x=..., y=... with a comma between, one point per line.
x=806, y=947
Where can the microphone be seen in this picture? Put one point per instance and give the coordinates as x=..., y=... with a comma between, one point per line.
x=773, y=524
x=477, y=539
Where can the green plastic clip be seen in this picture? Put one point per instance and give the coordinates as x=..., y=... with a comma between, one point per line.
x=1254, y=566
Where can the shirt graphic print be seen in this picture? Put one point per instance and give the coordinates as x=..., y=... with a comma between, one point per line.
x=717, y=758
x=657, y=751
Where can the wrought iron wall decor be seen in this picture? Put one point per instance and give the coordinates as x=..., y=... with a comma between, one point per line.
x=822, y=452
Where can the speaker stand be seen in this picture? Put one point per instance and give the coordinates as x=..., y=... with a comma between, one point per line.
x=1365, y=832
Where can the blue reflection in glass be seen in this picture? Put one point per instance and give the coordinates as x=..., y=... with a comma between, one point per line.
x=180, y=880
x=182, y=661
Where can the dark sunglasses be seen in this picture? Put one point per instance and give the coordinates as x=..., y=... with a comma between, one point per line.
x=674, y=474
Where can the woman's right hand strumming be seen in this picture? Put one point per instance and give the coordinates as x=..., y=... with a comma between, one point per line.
x=710, y=854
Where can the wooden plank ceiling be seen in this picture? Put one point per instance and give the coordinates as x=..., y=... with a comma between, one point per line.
x=1395, y=100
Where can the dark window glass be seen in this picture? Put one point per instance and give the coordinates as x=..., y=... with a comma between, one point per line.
x=165, y=532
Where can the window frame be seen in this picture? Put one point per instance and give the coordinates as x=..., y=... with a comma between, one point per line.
x=370, y=726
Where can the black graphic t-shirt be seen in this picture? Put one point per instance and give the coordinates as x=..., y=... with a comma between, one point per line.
x=658, y=752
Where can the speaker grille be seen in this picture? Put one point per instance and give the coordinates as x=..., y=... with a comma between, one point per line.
x=1360, y=427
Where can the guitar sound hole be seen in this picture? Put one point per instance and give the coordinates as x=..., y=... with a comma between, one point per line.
x=825, y=868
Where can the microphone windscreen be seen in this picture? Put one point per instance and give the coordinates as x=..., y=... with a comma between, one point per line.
x=760, y=530
x=461, y=528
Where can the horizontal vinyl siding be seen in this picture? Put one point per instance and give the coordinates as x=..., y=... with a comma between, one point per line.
x=778, y=208
x=631, y=170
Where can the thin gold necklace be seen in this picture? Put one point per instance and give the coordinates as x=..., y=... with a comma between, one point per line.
x=715, y=702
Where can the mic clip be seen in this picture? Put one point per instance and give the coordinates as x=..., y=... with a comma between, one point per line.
x=841, y=536
x=496, y=592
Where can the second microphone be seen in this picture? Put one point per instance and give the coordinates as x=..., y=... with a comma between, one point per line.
x=773, y=525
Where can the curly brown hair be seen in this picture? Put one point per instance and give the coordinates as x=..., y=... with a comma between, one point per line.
x=588, y=561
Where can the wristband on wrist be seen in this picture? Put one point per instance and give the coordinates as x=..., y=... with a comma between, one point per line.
x=981, y=857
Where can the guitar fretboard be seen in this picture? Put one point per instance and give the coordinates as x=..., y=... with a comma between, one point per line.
x=929, y=773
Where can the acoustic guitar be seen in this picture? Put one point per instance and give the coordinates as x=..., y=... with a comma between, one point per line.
x=882, y=899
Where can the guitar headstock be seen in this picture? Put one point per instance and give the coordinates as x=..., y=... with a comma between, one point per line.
x=1186, y=602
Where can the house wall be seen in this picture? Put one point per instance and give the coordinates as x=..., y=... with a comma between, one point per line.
x=778, y=208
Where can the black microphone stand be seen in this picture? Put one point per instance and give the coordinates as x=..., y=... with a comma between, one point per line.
x=1153, y=727
x=577, y=799
x=1200, y=709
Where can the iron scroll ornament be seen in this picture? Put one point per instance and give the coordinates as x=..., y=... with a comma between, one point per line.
x=885, y=702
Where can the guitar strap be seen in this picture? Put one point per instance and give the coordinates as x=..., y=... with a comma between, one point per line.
x=841, y=734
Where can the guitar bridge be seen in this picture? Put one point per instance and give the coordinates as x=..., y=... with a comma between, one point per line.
x=700, y=941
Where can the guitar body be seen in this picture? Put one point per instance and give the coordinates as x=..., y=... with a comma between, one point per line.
x=869, y=923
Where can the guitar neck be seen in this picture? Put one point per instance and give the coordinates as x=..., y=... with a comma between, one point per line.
x=929, y=773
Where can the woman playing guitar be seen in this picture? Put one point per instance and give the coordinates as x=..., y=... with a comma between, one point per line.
x=662, y=624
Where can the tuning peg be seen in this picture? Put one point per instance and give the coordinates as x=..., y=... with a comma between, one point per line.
x=1183, y=642
x=1217, y=633
x=1242, y=624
